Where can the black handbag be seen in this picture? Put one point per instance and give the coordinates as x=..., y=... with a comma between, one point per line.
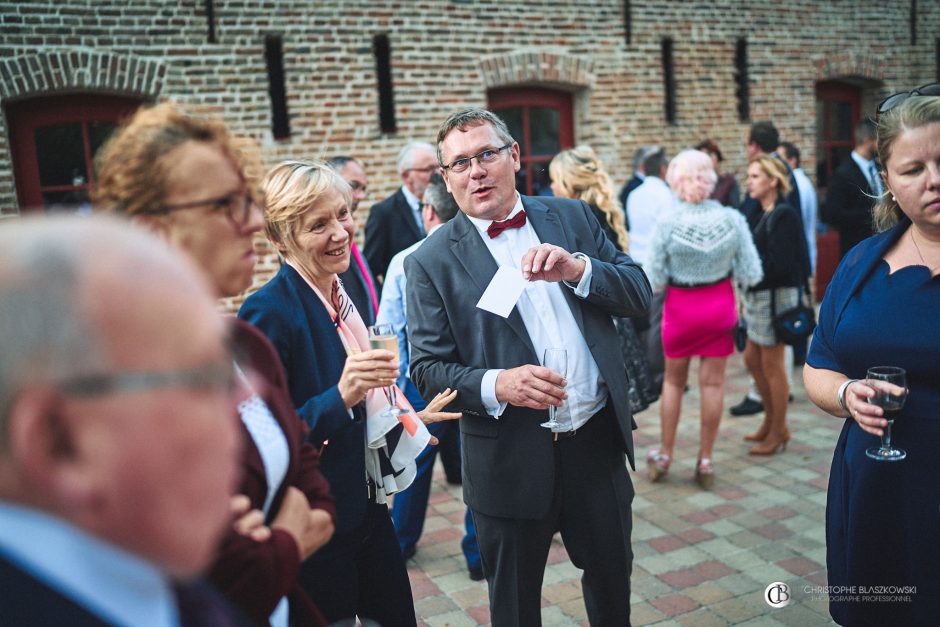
x=740, y=334
x=795, y=325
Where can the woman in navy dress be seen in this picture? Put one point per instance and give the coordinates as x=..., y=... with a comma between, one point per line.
x=882, y=519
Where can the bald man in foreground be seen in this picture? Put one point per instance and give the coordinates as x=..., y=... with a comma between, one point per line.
x=118, y=441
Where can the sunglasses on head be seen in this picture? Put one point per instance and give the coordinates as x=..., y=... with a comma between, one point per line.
x=931, y=89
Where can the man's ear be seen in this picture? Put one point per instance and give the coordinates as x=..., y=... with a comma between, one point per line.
x=42, y=447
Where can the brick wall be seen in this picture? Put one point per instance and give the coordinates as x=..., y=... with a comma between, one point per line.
x=446, y=53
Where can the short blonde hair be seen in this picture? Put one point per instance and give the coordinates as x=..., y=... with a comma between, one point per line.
x=291, y=188
x=775, y=170
x=691, y=175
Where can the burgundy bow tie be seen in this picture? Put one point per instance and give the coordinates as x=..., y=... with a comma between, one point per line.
x=515, y=222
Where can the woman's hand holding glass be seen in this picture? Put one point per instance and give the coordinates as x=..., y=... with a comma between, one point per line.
x=870, y=417
x=384, y=337
x=366, y=371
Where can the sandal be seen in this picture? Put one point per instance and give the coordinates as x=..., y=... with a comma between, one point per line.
x=704, y=473
x=657, y=463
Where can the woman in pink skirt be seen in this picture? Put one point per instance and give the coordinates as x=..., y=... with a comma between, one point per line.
x=696, y=252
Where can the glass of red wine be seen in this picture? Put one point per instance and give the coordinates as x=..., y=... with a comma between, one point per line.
x=891, y=400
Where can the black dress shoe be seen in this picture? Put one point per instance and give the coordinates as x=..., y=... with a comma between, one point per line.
x=409, y=552
x=747, y=407
x=475, y=572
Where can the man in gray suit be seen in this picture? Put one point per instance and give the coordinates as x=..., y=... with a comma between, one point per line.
x=523, y=482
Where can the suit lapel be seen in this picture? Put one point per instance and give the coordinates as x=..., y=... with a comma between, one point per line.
x=406, y=214
x=477, y=262
x=861, y=178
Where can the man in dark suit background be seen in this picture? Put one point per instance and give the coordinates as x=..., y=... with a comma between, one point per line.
x=118, y=446
x=523, y=482
x=639, y=175
x=394, y=224
x=853, y=188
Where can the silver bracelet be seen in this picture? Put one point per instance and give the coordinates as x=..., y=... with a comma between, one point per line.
x=841, y=394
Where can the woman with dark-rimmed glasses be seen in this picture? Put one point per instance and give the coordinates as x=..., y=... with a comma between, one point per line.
x=882, y=518
x=186, y=179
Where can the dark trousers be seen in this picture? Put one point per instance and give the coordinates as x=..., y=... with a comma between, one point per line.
x=591, y=507
x=362, y=573
x=411, y=505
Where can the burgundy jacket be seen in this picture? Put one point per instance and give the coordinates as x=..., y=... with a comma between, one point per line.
x=256, y=575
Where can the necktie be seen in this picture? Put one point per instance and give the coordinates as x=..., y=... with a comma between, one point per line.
x=873, y=177
x=495, y=228
x=419, y=219
x=357, y=257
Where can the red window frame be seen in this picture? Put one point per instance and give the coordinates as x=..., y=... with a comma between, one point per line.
x=827, y=94
x=526, y=98
x=25, y=116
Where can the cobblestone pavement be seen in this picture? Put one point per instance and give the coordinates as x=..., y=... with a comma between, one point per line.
x=700, y=558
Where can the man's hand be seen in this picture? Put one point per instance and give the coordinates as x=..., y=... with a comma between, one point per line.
x=319, y=530
x=531, y=386
x=547, y=262
x=293, y=517
x=248, y=522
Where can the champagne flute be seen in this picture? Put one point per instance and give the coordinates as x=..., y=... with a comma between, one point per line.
x=555, y=359
x=382, y=336
x=891, y=404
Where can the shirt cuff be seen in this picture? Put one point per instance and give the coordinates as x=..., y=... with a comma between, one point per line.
x=488, y=394
x=583, y=288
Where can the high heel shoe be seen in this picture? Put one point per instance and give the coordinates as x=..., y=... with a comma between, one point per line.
x=704, y=473
x=761, y=434
x=771, y=445
x=657, y=463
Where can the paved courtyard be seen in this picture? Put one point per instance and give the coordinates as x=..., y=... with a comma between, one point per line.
x=700, y=558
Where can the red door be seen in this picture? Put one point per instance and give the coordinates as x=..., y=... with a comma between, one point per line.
x=540, y=120
x=838, y=110
x=53, y=140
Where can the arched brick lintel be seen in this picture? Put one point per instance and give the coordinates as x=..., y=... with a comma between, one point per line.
x=537, y=67
x=855, y=64
x=80, y=69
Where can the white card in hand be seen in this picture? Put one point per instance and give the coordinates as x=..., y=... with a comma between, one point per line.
x=503, y=291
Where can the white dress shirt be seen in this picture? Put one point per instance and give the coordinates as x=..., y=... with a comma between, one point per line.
x=393, y=307
x=808, y=208
x=118, y=586
x=648, y=202
x=550, y=324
